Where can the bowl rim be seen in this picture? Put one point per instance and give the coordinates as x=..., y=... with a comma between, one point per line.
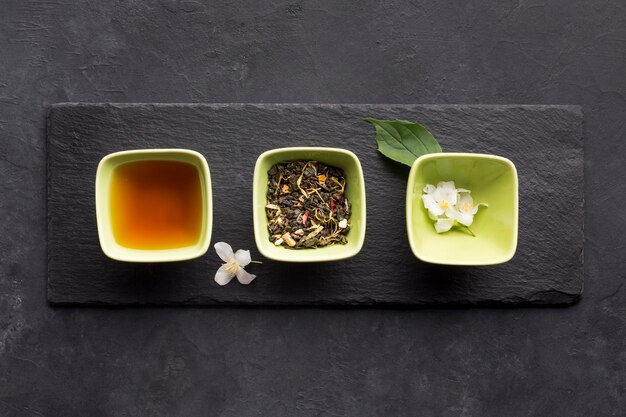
x=165, y=255
x=409, y=206
x=261, y=244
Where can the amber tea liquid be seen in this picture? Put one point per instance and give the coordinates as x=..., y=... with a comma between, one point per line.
x=156, y=205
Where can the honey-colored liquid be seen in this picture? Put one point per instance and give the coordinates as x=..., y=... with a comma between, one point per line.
x=156, y=205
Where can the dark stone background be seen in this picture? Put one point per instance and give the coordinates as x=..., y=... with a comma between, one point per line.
x=253, y=361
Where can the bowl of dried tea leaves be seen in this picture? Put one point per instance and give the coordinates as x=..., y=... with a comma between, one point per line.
x=308, y=204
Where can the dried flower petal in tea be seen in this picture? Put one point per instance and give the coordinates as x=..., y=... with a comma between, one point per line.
x=306, y=205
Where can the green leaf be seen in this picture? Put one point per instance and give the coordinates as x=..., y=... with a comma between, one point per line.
x=403, y=141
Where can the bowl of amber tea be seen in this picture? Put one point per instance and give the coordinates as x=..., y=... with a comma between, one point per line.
x=308, y=204
x=154, y=205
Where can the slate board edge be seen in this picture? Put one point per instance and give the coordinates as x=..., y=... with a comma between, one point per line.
x=548, y=299
x=577, y=109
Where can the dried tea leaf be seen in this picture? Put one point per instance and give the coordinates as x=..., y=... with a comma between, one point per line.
x=314, y=233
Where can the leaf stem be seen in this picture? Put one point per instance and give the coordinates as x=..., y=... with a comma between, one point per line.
x=470, y=230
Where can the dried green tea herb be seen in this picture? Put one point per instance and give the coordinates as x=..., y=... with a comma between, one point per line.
x=306, y=205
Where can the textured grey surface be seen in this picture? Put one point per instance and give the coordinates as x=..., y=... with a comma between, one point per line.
x=545, y=143
x=310, y=362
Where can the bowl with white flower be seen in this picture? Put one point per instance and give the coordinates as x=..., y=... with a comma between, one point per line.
x=462, y=209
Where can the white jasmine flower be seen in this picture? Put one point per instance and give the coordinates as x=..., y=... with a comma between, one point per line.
x=440, y=200
x=234, y=265
x=465, y=209
x=449, y=206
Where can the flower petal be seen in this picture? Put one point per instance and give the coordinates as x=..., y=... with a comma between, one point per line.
x=466, y=198
x=244, y=277
x=431, y=205
x=224, y=251
x=429, y=189
x=222, y=277
x=465, y=218
x=475, y=209
x=446, y=191
x=452, y=212
x=446, y=185
x=242, y=257
x=443, y=225
x=435, y=210
x=465, y=203
x=428, y=200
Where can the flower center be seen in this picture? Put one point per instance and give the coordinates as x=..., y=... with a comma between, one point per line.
x=444, y=204
x=231, y=267
x=466, y=207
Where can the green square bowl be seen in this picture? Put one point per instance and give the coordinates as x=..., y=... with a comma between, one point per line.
x=104, y=176
x=355, y=192
x=492, y=180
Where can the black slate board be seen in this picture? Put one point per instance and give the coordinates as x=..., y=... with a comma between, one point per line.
x=545, y=143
